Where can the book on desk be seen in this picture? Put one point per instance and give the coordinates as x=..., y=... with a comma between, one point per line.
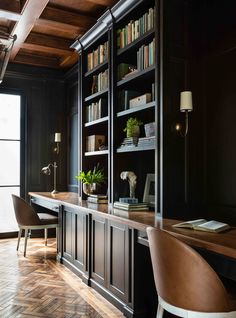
x=204, y=225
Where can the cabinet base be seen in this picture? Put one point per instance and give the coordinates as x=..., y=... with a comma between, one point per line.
x=76, y=271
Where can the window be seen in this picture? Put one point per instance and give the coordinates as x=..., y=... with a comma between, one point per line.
x=10, y=154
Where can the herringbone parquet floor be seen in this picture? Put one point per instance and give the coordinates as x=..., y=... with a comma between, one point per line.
x=38, y=286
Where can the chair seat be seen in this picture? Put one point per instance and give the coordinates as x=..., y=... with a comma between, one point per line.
x=46, y=218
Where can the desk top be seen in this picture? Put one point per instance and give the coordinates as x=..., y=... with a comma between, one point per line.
x=223, y=243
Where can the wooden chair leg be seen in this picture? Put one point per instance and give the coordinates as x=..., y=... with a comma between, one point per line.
x=19, y=236
x=46, y=236
x=26, y=237
x=160, y=311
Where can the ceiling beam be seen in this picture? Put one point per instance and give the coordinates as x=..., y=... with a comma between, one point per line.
x=69, y=60
x=49, y=40
x=32, y=11
x=68, y=17
x=59, y=28
x=46, y=49
x=9, y=15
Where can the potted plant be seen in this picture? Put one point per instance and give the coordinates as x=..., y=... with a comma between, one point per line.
x=91, y=179
x=132, y=127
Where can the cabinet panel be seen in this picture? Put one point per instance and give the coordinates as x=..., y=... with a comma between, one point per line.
x=81, y=241
x=99, y=250
x=119, y=250
x=67, y=235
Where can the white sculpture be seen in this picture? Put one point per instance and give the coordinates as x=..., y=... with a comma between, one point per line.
x=131, y=177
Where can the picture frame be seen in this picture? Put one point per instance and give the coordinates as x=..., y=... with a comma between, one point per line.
x=149, y=190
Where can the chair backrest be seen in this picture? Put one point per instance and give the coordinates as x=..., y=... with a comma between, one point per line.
x=25, y=214
x=182, y=277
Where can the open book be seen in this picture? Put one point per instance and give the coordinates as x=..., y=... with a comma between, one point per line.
x=204, y=225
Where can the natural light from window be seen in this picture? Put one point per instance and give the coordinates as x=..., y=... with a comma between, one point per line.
x=10, y=110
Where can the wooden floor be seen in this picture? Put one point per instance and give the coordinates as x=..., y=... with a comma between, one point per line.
x=38, y=286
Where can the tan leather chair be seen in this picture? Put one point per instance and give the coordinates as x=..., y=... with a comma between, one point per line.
x=186, y=284
x=28, y=219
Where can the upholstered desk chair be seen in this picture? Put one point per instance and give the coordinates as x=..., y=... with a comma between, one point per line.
x=186, y=284
x=28, y=219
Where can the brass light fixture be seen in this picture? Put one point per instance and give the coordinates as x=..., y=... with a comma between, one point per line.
x=47, y=171
x=6, y=45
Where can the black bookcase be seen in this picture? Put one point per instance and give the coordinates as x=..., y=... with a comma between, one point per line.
x=142, y=159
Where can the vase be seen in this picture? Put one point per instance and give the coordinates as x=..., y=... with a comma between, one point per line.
x=89, y=188
x=133, y=132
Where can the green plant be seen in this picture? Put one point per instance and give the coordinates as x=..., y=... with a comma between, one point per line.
x=132, y=123
x=92, y=176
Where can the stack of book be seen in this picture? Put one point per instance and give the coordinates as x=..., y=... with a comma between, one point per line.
x=131, y=206
x=134, y=29
x=130, y=142
x=98, y=56
x=147, y=142
x=97, y=198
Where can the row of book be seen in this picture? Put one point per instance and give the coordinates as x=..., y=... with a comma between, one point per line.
x=97, y=56
x=100, y=82
x=131, y=206
x=96, y=110
x=145, y=56
x=134, y=29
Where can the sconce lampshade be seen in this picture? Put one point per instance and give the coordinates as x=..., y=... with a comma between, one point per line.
x=186, y=103
x=57, y=137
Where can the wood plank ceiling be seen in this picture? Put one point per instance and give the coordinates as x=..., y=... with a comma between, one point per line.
x=45, y=29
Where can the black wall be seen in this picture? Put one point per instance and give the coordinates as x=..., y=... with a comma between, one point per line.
x=43, y=97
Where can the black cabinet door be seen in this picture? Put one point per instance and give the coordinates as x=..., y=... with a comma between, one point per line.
x=68, y=233
x=119, y=256
x=98, y=250
x=81, y=240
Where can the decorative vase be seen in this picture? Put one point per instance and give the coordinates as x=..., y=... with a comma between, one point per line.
x=133, y=132
x=89, y=188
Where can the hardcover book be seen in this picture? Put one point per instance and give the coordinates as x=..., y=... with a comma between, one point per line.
x=204, y=225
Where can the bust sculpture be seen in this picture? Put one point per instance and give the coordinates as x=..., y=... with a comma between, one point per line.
x=131, y=177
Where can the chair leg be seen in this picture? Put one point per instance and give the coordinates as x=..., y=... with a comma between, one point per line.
x=160, y=311
x=26, y=237
x=46, y=236
x=57, y=238
x=19, y=236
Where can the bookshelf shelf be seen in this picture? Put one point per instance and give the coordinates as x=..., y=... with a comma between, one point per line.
x=96, y=95
x=138, y=75
x=150, y=105
x=133, y=149
x=96, y=153
x=99, y=67
x=135, y=44
x=95, y=122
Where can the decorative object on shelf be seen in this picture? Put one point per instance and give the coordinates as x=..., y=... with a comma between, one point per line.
x=132, y=127
x=57, y=140
x=140, y=100
x=6, y=44
x=91, y=179
x=46, y=170
x=149, y=190
x=186, y=105
x=132, y=179
x=94, y=142
x=150, y=129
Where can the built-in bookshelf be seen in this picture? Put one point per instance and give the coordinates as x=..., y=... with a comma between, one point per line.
x=118, y=80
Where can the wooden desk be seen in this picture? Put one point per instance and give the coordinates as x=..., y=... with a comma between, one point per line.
x=101, y=245
x=222, y=243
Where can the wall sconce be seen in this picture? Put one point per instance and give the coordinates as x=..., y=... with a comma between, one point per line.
x=186, y=105
x=47, y=171
x=57, y=140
